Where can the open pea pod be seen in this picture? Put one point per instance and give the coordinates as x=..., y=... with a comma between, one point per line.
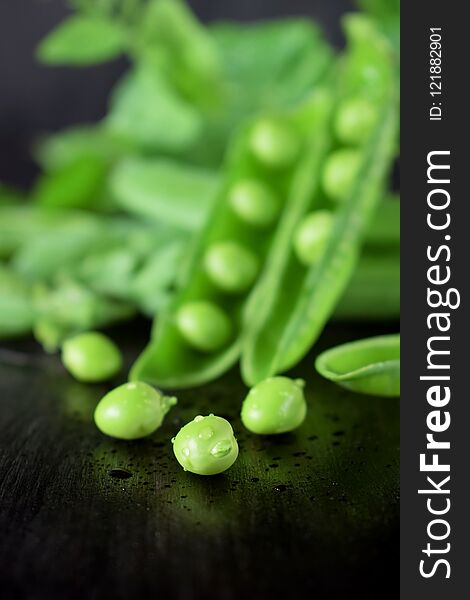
x=265, y=165
x=370, y=366
x=293, y=301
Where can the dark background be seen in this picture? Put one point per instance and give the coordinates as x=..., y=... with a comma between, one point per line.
x=312, y=514
x=36, y=99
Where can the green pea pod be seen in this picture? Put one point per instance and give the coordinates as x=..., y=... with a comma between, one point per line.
x=164, y=191
x=370, y=366
x=292, y=302
x=373, y=293
x=71, y=308
x=20, y=223
x=169, y=360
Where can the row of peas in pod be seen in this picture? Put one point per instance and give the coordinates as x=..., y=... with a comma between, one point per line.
x=199, y=336
x=318, y=243
x=273, y=261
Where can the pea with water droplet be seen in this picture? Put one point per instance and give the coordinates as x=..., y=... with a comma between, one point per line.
x=132, y=411
x=275, y=405
x=206, y=445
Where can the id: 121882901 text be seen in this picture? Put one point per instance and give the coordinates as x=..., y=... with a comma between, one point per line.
x=435, y=73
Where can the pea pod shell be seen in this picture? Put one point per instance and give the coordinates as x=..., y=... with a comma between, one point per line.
x=290, y=308
x=369, y=366
x=167, y=362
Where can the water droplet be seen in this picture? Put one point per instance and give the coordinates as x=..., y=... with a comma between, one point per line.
x=206, y=433
x=186, y=452
x=221, y=449
x=173, y=440
x=120, y=473
x=280, y=488
x=198, y=418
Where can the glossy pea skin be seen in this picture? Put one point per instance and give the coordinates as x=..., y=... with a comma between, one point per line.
x=204, y=325
x=340, y=171
x=254, y=203
x=231, y=267
x=312, y=235
x=355, y=120
x=132, y=411
x=274, y=143
x=275, y=405
x=91, y=357
x=206, y=445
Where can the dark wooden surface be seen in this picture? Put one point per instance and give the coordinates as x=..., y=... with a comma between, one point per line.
x=312, y=514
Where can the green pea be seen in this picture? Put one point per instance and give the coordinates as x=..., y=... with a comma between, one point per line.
x=231, y=266
x=254, y=203
x=355, y=120
x=204, y=325
x=91, y=357
x=341, y=169
x=132, y=411
x=274, y=143
x=206, y=446
x=275, y=405
x=312, y=235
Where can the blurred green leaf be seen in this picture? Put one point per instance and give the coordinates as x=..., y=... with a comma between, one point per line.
x=16, y=310
x=69, y=308
x=145, y=109
x=272, y=64
x=19, y=224
x=387, y=15
x=164, y=191
x=78, y=184
x=81, y=40
x=172, y=37
x=93, y=142
x=152, y=285
x=43, y=256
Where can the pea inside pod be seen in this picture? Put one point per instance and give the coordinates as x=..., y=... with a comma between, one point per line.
x=204, y=325
x=312, y=235
x=275, y=143
x=369, y=366
x=254, y=203
x=199, y=334
x=231, y=266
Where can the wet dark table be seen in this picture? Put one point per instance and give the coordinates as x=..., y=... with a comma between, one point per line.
x=312, y=514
